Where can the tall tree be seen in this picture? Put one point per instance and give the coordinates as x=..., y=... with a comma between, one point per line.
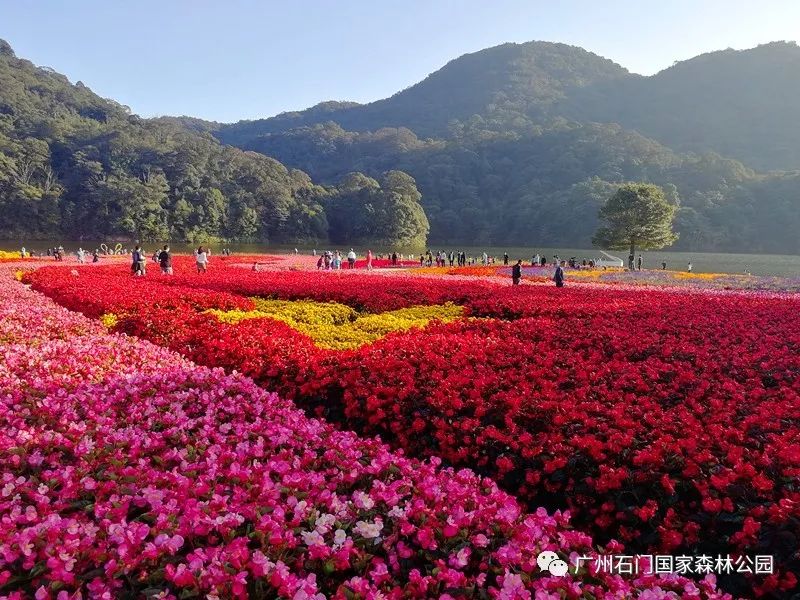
x=638, y=216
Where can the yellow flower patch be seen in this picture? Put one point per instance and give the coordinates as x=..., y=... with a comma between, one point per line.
x=338, y=327
x=307, y=311
x=109, y=320
x=697, y=276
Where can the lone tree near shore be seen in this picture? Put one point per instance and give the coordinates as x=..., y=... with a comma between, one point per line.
x=638, y=216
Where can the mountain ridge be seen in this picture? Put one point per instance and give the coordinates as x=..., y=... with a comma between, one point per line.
x=529, y=94
x=532, y=169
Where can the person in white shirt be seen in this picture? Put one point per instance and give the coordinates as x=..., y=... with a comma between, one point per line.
x=201, y=257
x=351, y=259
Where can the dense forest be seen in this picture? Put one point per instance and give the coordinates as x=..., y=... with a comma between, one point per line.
x=73, y=164
x=517, y=144
x=522, y=143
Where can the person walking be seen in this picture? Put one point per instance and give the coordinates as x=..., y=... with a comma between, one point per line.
x=201, y=258
x=558, y=276
x=516, y=272
x=664, y=265
x=138, y=262
x=369, y=260
x=351, y=259
x=96, y=256
x=165, y=260
x=505, y=258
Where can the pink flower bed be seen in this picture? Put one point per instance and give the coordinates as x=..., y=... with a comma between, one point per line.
x=128, y=471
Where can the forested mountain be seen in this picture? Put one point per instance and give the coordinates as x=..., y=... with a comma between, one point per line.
x=518, y=144
x=521, y=143
x=512, y=85
x=73, y=164
x=742, y=104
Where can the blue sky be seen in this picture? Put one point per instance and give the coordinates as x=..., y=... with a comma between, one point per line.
x=237, y=59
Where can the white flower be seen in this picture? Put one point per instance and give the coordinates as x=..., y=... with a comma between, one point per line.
x=312, y=538
x=368, y=530
x=324, y=522
x=363, y=501
x=339, y=537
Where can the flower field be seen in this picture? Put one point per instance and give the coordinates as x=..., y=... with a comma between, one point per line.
x=129, y=471
x=667, y=421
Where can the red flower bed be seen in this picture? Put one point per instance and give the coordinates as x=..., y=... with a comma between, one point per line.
x=680, y=439
x=669, y=420
x=95, y=291
x=130, y=472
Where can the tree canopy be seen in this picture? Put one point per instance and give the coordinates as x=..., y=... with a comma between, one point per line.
x=638, y=216
x=363, y=211
x=76, y=165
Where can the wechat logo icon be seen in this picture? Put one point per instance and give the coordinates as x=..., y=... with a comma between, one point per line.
x=549, y=561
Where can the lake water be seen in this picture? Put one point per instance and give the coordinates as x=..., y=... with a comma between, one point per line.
x=702, y=262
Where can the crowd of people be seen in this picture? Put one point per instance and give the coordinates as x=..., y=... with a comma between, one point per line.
x=336, y=260
x=332, y=260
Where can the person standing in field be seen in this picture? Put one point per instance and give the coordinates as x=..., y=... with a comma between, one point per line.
x=201, y=257
x=689, y=267
x=664, y=265
x=558, y=276
x=165, y=260
x=639, y=263
x=505, y=258
x=516, y=272
x=137, y=264
x=351, y=259
x=369, y=260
